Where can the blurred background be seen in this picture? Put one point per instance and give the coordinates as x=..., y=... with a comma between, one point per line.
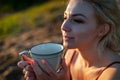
x=24, y=23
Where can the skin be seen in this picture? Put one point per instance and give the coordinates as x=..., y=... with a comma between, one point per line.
x=33, y=72
x=82, y=33
x=85, y=58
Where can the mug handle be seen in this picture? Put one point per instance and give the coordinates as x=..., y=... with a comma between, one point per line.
x=25, y=52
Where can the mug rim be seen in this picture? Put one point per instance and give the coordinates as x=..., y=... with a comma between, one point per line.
x=47, y=54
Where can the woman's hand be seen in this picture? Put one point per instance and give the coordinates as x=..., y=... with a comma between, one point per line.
x=27, y=69
x=63, y=74
x=33, y=72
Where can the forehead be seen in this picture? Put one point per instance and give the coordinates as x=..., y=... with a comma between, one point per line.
x=79, y=6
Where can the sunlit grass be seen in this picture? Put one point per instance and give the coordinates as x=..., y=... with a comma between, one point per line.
x=36, y=16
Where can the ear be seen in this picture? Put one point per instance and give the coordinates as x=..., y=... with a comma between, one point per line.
x=104, y=29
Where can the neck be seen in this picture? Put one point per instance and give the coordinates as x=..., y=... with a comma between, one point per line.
x=91, y=56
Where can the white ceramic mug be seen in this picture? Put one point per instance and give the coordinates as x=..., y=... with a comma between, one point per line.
x=51, y=52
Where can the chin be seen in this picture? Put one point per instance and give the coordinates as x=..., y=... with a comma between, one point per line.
x=68, y=46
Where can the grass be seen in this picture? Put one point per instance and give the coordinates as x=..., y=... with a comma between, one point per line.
x=36, y=16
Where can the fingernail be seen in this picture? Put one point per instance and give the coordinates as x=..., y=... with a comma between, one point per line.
x=43, y=61
x=32, y=62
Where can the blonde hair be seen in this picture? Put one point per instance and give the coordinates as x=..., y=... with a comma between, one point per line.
x=107, y=11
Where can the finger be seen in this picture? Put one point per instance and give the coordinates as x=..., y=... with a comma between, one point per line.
x=36, y=69
x=49, y=70
x=24, y=71
x=29, y=68
x=38, y=72
x=25, y=76
x=64, y=66
x=63, y=70
x=30, y=78
x=29, y=74
x=22, y=64
x=25, y=58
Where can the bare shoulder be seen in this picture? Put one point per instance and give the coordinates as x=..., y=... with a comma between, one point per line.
x=111, y=73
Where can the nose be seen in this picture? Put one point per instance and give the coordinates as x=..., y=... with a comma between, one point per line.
x=66, y=26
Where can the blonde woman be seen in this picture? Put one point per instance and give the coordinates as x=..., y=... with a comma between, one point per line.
x=91, y=35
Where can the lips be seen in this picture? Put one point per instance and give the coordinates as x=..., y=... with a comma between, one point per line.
x=67, y=38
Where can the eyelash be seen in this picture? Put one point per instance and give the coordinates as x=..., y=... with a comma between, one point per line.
x=75, y=20
x=78, y=21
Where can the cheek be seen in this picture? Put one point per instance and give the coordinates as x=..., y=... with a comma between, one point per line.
x=83, y=34
x=81, y=31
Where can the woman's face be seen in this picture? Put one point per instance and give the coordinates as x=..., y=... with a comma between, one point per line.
x=79, y=28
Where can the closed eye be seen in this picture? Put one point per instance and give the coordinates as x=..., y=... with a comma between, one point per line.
x=78, y=21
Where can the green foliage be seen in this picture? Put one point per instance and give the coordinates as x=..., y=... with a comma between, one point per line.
x=33, y=17
x=17, y=5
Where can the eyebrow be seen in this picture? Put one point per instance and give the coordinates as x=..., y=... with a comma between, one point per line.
x=76, y=14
